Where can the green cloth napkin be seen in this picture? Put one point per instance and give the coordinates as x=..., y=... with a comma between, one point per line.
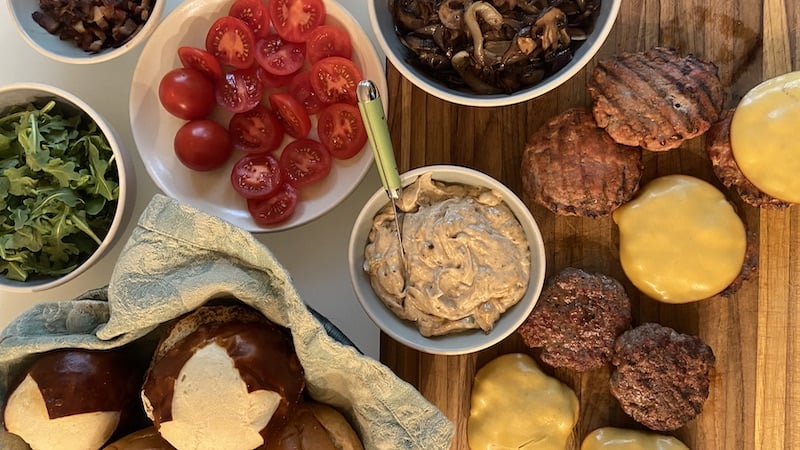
x=177, y=259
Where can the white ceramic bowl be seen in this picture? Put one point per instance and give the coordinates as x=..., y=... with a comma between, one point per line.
x=405, y=331
x=65, y=51
x=154, y=129
x=384, y=28
x=24, y=93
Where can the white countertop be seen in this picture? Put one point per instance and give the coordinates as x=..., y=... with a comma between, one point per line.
x=314, y=254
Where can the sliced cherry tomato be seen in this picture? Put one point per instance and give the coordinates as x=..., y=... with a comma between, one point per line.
x=304, y=162
x=291, y=114
x=335, y=79
x=341, y=130
x=254, y=13
x=300, y=88
x=256, y=175
x=231, y=41
x=257, y=130
x=276, y=208
x=240, y=90
x=328, y=40
x=271, y=81
x=278, y=56
x=295, y=19
x=200, y=60
x=202, y=145
x=186, y=93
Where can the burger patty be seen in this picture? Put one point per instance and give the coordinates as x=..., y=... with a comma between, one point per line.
x=655, y=99
x=718, y=147
x=573, y=167
x=660, y=376
x=577, y=318
x=749, y=267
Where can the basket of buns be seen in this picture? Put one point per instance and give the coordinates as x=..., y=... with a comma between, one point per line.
x=199, y=343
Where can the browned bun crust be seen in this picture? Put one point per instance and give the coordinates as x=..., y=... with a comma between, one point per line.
x=655, y=99
x=572, y=167
x=261, y=351
x=75, y=381
x=718, y=147
x=316, y=426
x=146, y=439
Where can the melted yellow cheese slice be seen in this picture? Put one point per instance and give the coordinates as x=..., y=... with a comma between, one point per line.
x=680, y=239
x=764, y=136
x=609, y=438
x=517, y=406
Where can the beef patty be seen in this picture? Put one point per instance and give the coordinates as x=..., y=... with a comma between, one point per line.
x=661, y=376
x=573, y=167
x=718, y=147
x=577, y=318
x=655, y=99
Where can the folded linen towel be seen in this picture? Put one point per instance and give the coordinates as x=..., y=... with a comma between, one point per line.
x=177, y=259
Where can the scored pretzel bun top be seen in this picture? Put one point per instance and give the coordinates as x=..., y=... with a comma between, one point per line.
x=316, y=426
x=223, y=377
x=72, y=399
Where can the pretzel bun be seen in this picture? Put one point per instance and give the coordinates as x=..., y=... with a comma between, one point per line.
x=224, y=377
x=72, y=399
x=316, y=426
x=146, y=439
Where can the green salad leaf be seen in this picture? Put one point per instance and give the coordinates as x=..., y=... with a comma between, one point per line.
x=59, y=188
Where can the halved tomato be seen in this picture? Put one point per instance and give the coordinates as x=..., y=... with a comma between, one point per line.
x=328, y=40
x=335, y=79
x=295, y=19
x=276, y=208
x=257, y=130
x=271, y=81
x=254, y=13
x=278, y=56
x=256, y=175
x=231, y=41
x=201, y=61
x=300, y=88
x=291, y=114
x=240, y=90
x=341, y=130
x=304, y=162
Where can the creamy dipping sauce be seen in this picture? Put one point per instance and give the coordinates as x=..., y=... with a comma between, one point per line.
x=467, y=257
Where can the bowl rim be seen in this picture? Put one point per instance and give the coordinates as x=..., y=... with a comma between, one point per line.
x=436, y=345
x=88, y=58
x=598, y=34
x=125, y=187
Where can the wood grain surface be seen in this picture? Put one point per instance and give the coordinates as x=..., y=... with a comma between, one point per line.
x=754, y=401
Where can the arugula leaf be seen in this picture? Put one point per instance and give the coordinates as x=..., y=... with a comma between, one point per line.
x=59, y=188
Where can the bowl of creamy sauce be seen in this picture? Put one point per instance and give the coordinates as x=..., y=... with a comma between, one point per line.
x=472, y=265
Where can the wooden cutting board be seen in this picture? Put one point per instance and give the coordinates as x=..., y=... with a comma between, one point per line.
x=754, y=401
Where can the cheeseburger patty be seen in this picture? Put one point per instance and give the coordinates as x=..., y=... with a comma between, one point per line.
x=660, y=376
x=577, y=319
x=718, y=147
x=573, y=167
x=655, y=99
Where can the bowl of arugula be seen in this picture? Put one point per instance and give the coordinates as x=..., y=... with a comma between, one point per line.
x=65, y=187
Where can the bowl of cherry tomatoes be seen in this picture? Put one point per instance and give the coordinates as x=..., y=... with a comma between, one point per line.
x=246, y=109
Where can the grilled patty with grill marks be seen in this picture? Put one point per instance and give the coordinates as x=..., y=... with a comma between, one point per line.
x=655, y=99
